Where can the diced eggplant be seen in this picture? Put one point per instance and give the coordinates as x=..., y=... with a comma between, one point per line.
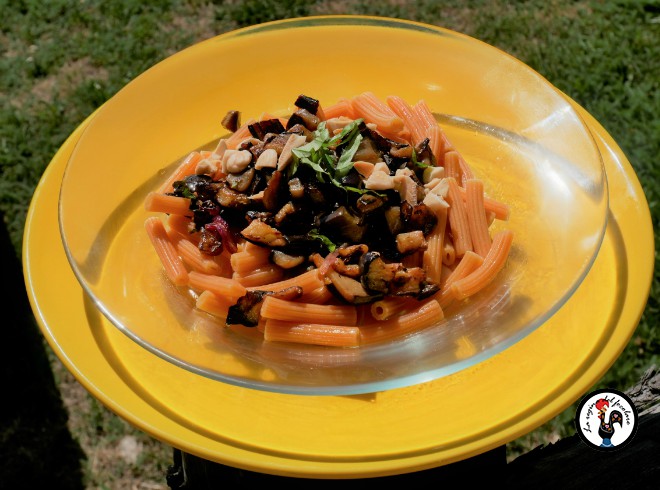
x=286, y=261
x=393, y=219
x=308, y=103
x=303, y=245
x=241, y=182
x=376, y=274
x=305, y=118
x=368, y=203
x=264, y=216
x=277, y=142
x=263, y=234
x=314, y=193
x=352, y=178
x=229, y=198
x=409, y=242
x=342, y=223
x=231, y=121
x=260, y=129
x=408, y=281
x=351, y=290
x=273, y=191
x=302, y=131
x=296, y=189
x=418, y=217
x=284, y=212
x=247, y=309
x=367, y=152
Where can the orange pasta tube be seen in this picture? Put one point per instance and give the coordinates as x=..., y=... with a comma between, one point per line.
x=499, y=209
x=220, y=286
x=469, y=263
x=182, y=225
x=213, y=303
x=448, y=251
x=247, y=261
x=174, y=267
x=386, y=308
x=163, y=203
x=424, y=114
x=311, y=333
x=428, y=314
x=342, y=108
x=491, y=266
x=458, y=219
x=373, y=110
x=453, y=165
x=319, y=296
x=186, y=167
x=264, y=275
x=193, y=256
x=405, y=112
x=466, y=171
x=476, y=212
x=308, y=281
x=433, y=255
x=290, y=311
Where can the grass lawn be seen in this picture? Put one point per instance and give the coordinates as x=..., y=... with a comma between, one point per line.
x=62, y=59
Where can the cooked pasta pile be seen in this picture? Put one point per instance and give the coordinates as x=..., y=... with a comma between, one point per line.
x=339, y=226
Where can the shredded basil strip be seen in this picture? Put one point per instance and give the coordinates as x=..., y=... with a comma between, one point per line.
x=413, y=158
x=314, y=233
x=320, y=154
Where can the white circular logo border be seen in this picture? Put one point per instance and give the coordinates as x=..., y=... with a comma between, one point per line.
x=587, y=421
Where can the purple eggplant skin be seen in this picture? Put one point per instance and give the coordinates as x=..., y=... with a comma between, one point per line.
x=231, y=121
x=246, y=311
x=304, y=118
x=308, y=103
x=343, y=224
x=260, y=129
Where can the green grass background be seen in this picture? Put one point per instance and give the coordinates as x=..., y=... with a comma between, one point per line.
x=62, y=59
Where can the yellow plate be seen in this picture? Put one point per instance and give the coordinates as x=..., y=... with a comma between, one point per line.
x=380, y=434
x=531, y=149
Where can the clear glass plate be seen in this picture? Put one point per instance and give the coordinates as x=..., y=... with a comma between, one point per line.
x=519, y=134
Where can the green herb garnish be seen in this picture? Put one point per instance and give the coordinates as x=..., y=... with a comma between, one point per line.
x=314, y=233
x=320, y=154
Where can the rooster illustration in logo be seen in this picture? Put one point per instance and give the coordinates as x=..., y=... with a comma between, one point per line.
x=606, y=429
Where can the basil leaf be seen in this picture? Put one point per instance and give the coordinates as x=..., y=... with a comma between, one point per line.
x=324, y=239
x=344, y=136
x=345, y=163
x=413, y=158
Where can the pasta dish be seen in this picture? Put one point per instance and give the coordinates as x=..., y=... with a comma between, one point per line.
x=339, y=225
